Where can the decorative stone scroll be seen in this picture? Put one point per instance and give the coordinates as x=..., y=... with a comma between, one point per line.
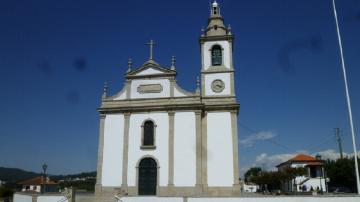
x=149, y=88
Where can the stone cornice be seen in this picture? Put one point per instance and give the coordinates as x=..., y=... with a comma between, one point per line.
x=203, y=39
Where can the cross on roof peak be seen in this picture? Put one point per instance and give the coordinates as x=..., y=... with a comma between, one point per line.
x=151, y=45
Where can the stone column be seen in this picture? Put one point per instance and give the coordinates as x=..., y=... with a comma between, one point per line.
x=171, y=150
x=198, y=153
x=172, y=86
x=124, y=185
x=236, y=186
x=98, y=186
x=204, y=151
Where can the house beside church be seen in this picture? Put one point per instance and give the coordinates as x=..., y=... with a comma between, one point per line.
x=38, y=184
x=313, y=180
x=158, y=139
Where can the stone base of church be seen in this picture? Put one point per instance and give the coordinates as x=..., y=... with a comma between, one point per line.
x=172, y=191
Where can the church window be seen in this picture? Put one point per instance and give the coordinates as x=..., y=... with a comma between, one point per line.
x=216, y=55
x=148, y=135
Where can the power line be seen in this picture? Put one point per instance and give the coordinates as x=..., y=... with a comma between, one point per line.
x=269, y=140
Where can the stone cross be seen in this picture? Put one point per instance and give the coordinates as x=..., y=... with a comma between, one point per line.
x=151, y=44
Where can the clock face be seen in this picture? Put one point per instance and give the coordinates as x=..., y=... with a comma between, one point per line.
x=217, y=86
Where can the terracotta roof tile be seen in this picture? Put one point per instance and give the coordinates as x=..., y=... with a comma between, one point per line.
x=303, y=157
x=36, y=181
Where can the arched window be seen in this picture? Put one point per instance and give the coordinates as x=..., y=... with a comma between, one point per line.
x=148, y=133
x=216, y=55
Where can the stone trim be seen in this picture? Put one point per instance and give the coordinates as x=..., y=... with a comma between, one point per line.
x=147, y=147
x=100, y=155
x=149, y=88
x=199, y=181
x=171, y=149
x=128, y=89
x=125, y=151
x=232, y=84
x=215, y=70
x=204, y=39
x=234, y=130
x=204, y=150
x=172, y=84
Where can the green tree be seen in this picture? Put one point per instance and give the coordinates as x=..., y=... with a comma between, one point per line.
x=252, y=172
x=6, y=192
x=341, y=172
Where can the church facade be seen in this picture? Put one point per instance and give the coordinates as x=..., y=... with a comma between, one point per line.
x=158, y=139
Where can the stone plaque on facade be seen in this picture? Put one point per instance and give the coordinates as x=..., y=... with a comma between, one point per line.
x=150, y=88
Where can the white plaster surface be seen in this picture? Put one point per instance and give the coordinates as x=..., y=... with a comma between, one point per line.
x=184, y=149
x=277, y=199
x=150, y=199
x=149, y=71
x=22, y=198
x=209, y=78
x=52, y=199
x=207, y=53
x=161, y=153
x=113, y=150
x=177, y=93
x=244, y=199
x=121, y=96
x=220, y=149
x=165, y=83
x=40, y=198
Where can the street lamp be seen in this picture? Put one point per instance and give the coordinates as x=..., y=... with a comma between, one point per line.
x=44, y=167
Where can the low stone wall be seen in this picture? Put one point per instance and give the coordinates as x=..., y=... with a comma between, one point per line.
x=246, y=199
x=30, y=197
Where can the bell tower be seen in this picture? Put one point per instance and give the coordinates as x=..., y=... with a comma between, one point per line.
x=217, y=71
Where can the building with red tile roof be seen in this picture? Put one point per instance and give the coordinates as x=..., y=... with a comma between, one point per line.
x=314, y=179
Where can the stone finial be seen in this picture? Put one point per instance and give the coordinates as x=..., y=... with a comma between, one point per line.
x=229, y=29
x=105, y=90
x=173, y=62
x=202, y=31
x=197, y=85
x=129, y=65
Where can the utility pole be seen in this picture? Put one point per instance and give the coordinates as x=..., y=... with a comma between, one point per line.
x=338, y=139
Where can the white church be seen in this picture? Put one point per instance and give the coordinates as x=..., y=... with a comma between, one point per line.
x=158, y=139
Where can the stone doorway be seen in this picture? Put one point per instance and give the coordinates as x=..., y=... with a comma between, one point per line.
x=147, y=177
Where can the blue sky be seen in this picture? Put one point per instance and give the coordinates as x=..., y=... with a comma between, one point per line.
x=56, y=55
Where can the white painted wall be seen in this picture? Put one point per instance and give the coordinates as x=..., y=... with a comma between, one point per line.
x=207, y=53
x=151, y=199
x=22, y=198
x=165, y=83
x=184, y=149
x=220, y=149
x=149, y=71
x=121, y=95
x=52, y=199
x=113, y=150
x=276, y=199
x=209, y=78
x=244, y=199
x=177, y=93
x=161, y=153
